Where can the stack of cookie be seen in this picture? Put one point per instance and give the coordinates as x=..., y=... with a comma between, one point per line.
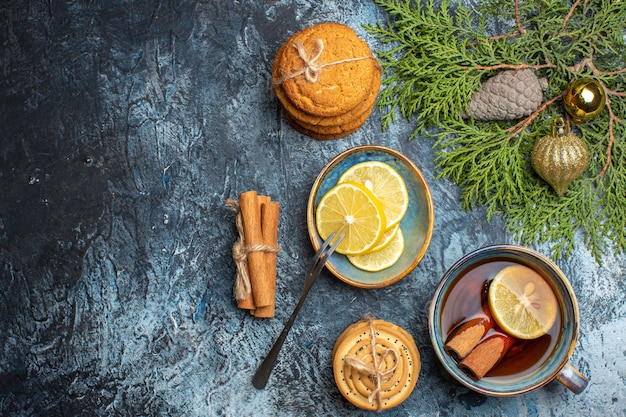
x=376, y=364
x=327, y=80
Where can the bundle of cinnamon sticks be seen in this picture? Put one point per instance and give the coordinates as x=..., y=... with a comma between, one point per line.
x=255, y=252
x=478, y=345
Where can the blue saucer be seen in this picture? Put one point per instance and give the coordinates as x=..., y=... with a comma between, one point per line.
x=417, y=224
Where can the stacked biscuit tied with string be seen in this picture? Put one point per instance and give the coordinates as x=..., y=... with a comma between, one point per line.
x=326, y=80
x=376, y=364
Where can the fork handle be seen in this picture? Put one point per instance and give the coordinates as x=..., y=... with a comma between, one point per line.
x=259, y=380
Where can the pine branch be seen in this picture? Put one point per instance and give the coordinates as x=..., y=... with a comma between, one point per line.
x=438, y=56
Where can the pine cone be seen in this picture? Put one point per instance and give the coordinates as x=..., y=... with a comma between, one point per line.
x=508, y=95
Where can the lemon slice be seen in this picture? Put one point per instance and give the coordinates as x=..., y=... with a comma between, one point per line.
x=386, y=184
x=382, y=259
x=522, y=302
x=386, y=238
x=353, y=209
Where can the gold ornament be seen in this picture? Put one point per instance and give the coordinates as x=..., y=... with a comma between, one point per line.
x=584, y=99
x=560, y=158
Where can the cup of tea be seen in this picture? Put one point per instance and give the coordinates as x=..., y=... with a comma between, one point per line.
x=478, y=351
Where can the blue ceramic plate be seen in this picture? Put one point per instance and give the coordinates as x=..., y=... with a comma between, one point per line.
x=417, y=224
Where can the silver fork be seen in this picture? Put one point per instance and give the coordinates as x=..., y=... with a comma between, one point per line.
x=313, y=271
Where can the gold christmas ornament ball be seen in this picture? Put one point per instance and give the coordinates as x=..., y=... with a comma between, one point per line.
x=560, y=158
x=584, y=99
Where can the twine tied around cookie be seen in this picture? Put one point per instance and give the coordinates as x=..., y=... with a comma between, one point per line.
x=374, y=369
x=311, y=69
x=243, y=288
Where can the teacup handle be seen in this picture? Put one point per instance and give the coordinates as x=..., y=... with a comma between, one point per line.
x=572, y=379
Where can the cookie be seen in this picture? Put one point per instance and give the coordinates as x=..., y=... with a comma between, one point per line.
x=345, y=71
x=348, y=125
x=317, y=135
x=359, y=363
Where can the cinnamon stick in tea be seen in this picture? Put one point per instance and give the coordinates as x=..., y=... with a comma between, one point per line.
x=269, y=226
x=486, y=355
x=468, y=334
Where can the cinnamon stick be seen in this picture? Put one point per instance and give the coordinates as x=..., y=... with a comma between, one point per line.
x=246, y=303
x=248, y=223
x=241, y=289
x=468, y=334
x=486, y=355
x=269, y=226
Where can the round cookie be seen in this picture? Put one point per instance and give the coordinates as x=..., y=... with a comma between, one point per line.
x=347, y=69
x=396, y=356
x=332, y=121
x=348, y=126
x=316, y=135
x=342, y=127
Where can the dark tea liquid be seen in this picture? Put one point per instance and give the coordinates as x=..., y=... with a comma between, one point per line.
x=467, y=299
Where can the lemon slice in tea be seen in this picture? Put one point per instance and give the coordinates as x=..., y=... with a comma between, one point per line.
x=353, y=209
x=381, y=259
x=386, y=184
x=522, y=302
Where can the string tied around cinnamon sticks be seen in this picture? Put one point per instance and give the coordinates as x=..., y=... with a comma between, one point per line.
x=374, y=369
x=243, y=288
x=255, y=252
x=312, y=68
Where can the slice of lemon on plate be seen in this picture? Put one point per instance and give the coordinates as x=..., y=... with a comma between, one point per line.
x=385, y=183
x=353, y=209
x=522, y=302
x=381, y=259
x=386, y=238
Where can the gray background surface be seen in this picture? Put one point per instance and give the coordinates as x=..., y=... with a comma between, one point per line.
x=124, y=127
